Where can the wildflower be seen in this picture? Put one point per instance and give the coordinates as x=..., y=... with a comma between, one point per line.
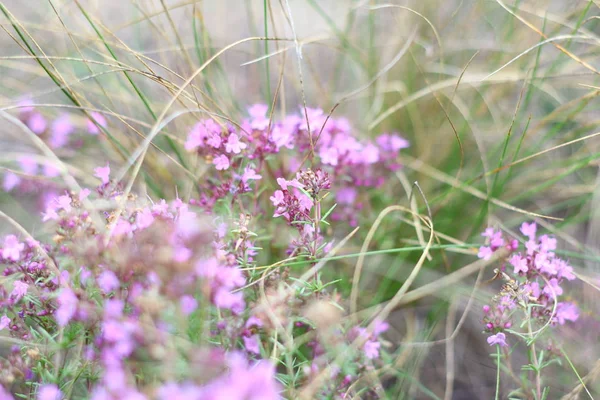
x=103, y=173
x=188, y=304
x=519, y=263
x=12, y=248
x=233, y=144
x=4, y=394
x=4, y=322
x=258, y=114
x=37, y=123
x=499, y=339
x=19, y=291
x=485, y=252
x=566, y=312
x=10, y=182
x=250, y=174
x=108, y=281
x=221, y=162
x=95, y=120
x=67, y=306
x=529, y=230
x=371, y=349
x=60, y=130
x=49, y=392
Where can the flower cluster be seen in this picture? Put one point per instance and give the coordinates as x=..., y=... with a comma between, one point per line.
x=533, y=283
x=36, y=175
x=329, y=142
x=125, y=281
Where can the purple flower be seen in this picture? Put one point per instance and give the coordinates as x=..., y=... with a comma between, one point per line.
x=251, y=344
x=233, y=144
x=67, y=306
x=49, y=392
x=250, y=174
x=37, y=123
x=188, y=304
x=10, y=182
x=529, y=230
x=566, y=312
x=19, y=290
x=108, y=281
x=4, y=394
x=371, y=349
x=519, y=263
x=12, y=248
x=61, y=128
x=221, y=162
x=277, y=198
x=4, y=323
x=100, y=120
x=144, y=218
x=103, y=173
x=485, y=252
x=498, y=338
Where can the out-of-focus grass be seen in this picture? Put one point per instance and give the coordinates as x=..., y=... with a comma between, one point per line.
x=488, y=93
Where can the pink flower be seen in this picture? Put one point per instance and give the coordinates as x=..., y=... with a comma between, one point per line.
x=19, y=291
x=49, y=392
x=215, y=140
x=37, y=123
x=499, y=339
x=221, y=162
x=519, y=263
x=108, y=281
x=100, y=120
x=485, y=252
x=346, y=195
x=188, y=304
x=277, y=198
x=529, y=230
x=4, y=323
x=144, y=218
x=233, y=144
x=103, y=173
x=12, y=248
x=252, y=344
x=371, y=349
x=61, y=128
x=566, y=312
x=196, y=137
x=67, y=306
x=10, y=182
x=258, y=114
x=329, y=156
x=28, y=165
x=64, y=202
x=4, y=394
x=250, y=174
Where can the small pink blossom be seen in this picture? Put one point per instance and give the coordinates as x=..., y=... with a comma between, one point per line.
x=188, y=304
x=100, y=120
x=519, y=263
x=529, y=230
x=233, y=144
x=485, y=252
x=19, y=290
x=250, y=174
x=37, y=123
x=103, y=173
x=12, y=248
x=499, y=339
x=67, y=306
x=49, y=392
x=4, y=322
x=221, y=162
x=108, y=281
